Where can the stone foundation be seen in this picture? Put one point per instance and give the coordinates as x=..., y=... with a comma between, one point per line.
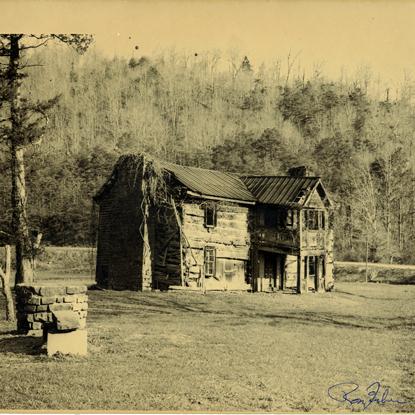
x=40, y=307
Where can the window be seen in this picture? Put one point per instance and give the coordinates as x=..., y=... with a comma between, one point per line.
x=210, y=261
x=231, y=269
x=270, y=218
x=322, y=220
x=281, y=216
x=312, y=219
x=290, y=217
x=210, y=216
x=278, y=218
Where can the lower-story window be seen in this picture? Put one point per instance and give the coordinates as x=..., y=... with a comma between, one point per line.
x=210, y=261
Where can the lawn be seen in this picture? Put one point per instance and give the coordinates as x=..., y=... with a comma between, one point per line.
x=185, y=351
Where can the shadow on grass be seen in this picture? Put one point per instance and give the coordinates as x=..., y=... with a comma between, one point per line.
x=219, y=307
x=320, y=319
x=174, y=306
x=297, y=317
x=410, y=280
x=376, y=298
x=21, y=344
x=10, y=332
x=343, y=321
x=355, y=295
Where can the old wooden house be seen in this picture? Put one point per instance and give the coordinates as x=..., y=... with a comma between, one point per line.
x=162, y=224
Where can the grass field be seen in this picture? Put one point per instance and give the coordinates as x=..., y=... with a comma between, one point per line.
x=177, y=351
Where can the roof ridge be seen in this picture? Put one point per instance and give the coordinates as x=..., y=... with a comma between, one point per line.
x=239, y=175
x=280, y=176
x=198, y=168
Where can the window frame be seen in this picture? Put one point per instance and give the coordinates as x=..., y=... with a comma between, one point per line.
x=209, y=260
x=312, y=218
x=213, y=209
x=322, y=219
x=289, y=221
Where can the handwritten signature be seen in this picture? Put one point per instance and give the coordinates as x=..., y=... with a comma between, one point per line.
x=375, y=393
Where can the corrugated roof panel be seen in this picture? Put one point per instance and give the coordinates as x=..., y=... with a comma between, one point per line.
x=278, y=190
x=210, y=182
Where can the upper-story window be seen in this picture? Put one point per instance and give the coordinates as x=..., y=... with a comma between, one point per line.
x=270, y=218
x=278, y=218
x=289, y=218
x=314, y=219
x=210, y=216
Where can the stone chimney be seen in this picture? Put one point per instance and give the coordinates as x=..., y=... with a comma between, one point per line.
x=299, y=171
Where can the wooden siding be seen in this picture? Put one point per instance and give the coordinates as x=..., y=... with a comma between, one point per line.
x=315, y=201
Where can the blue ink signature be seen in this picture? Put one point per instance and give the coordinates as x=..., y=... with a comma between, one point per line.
x=375, y=393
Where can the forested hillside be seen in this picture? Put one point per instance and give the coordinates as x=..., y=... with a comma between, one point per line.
x=218, y=111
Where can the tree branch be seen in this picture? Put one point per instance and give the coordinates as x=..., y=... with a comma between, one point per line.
x=35, y=46
x=30, y=66
x=40, y=37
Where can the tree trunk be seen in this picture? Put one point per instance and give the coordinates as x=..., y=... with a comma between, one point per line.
x=7, y=292
x=400, y=233
x=24, y=270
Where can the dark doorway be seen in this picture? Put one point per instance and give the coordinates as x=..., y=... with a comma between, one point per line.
x=102, y=276
x=270, y=269
x=313, y=272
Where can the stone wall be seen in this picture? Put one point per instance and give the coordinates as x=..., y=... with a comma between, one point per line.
x=38, y=306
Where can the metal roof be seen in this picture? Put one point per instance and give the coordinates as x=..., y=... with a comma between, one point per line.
x=280, y=190
x=210, y=182
x=277, y=190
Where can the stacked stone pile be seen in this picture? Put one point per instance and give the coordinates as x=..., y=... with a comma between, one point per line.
x=51, y=307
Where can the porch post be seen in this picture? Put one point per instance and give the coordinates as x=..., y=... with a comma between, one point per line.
x=300, y=273
x=283, y=260
x=317, y=278
x=306, y=274
x=324, y=264
x=254, y=282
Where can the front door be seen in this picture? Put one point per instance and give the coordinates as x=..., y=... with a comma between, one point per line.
x=270, y=270
x=313, y=273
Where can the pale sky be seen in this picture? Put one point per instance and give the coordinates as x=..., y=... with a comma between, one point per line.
x=332, y=34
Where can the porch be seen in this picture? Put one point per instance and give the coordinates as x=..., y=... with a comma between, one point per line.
x=278, y=271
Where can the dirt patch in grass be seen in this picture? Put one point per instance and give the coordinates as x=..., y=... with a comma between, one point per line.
x=180, y=351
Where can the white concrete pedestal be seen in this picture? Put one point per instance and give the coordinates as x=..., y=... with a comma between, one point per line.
x=70, y=342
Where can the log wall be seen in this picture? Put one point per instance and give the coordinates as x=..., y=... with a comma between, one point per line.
x=230, y=238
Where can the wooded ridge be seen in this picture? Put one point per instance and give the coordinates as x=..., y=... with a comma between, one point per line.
x=188, y=109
